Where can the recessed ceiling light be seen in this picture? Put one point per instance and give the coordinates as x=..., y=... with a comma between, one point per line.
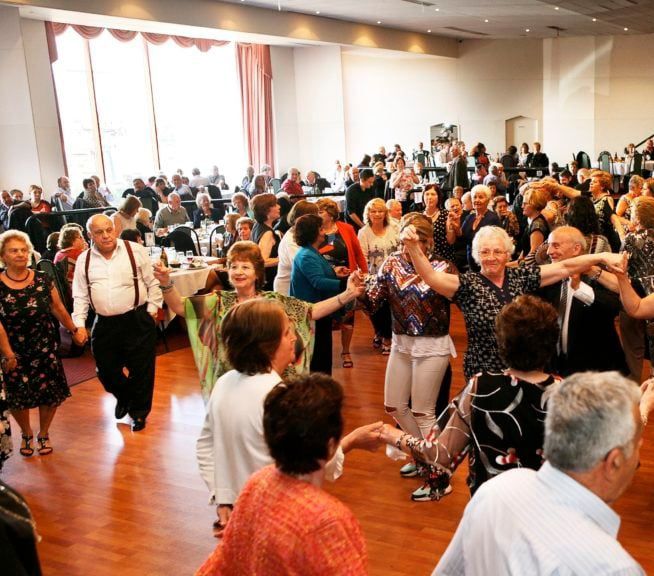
x=428, y=31
x=556, y=7
x=437, y=9
x=378, y=21
x=486, y=20
x=594, y=19
x=317, y=11
x=527, y=30
x=626, y=29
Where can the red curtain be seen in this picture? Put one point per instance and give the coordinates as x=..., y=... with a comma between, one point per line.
x=255, y=74
x=90, y=32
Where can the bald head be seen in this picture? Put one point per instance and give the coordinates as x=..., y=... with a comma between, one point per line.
x=565, y=242
x=102, y=233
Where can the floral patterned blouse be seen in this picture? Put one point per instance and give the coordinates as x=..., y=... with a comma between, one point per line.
x=480, y=301
x=203, y=316
x=498, y=420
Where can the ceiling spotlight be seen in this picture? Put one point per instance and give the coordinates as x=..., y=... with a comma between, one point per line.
x=428, y=31
x=317, y=11
x=626, y=29
x=486, y=20
x=594, y=19
x=527, y=30
x=378, y=21
x=556, y=7
x=437, y=9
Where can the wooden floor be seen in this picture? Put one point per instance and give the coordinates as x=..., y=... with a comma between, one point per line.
x=108, y=501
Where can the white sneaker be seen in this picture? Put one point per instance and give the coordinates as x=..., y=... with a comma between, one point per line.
x=409, y=470
x=426, y=494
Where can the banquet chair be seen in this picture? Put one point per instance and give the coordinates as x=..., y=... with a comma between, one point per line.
x=276, y=183
x=183, y=239
x=220, y=229
x=37, y=233
x=583, y=160
x=605, y=161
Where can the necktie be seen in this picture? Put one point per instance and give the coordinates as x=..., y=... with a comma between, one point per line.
x=563, y=305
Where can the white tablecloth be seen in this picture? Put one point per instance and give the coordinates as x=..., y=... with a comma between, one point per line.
x=187, y=282
x=622, y=168
x=340, y=200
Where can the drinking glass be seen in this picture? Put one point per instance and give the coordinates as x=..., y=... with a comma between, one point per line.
x=204, y=250
x=189, y=256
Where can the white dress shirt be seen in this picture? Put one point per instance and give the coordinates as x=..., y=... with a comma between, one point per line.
x=524, y=522
x=112, y=284
x=286, y=252
x=231, y=446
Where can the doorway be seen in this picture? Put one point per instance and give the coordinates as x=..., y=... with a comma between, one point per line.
x=521, y=129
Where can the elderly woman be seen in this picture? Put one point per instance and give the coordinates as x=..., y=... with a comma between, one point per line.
x=444, y=235
x=508, y=220
x=205, y=210
x=481, y=295
x=537, y=230
x=498, y=417
x=284, y=522
x=266, y=212
x=231, y=233
x=479, y=217
x=288, y=248
x=28, y=302
x=244, y=228
x=257, y=186
x=204, y=313
x=313, y=279
x=625, y=203
x=293, y=183
x=421, y=344
x=341, y=248
x=402, y=181
x=37, y=203
x=71, y=245
x=378, y=240
x=394, y=211
x=240, y=205
x=125, y=218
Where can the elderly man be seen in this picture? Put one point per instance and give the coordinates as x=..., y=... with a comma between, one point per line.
x=63, y=195
x=457, y=174
x=198, y=180
x=183, y=190
x=5, y=205
x=173, y=213
x=558, y=520
x=587, y=311
x=115, y=279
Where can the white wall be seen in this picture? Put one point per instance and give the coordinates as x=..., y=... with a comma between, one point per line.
x=19, y=162
x=285, y=129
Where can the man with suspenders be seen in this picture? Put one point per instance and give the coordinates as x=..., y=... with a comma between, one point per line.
x=114, y=278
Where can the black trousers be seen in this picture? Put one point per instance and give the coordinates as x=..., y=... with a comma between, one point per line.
x=382, y=322
x=321, y=361
x=126, y=341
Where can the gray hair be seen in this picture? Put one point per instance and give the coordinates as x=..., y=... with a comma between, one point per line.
x=589, y=414
x=491, y=233
x=481, y=188
x=574, y=234
x=201, y=196
x=15, y=235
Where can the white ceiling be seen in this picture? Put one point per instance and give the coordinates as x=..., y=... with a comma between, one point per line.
x=467, y=18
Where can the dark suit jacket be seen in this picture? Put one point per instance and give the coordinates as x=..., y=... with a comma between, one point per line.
x=593, y=342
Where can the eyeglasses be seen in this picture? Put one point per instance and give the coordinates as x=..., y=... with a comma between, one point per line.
x=497, y=253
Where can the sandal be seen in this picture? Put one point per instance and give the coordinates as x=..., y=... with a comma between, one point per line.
x=386, y=349
x=377, y=342
x=27, y=449
x=44, y=447
x=347, y=360
x=218, y=529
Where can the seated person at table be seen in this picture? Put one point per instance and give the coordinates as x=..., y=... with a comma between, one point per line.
x=244, y=228
x=184, y=190
x=170, y=215
x=132, y=235
x=206, y=211
x=283, y=521
x=71, y=245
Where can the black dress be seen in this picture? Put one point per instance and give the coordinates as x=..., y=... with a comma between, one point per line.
x=39, y=378
x=271, y=271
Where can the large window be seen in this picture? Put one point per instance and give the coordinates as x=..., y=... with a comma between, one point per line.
x=135, y=109
x=75, y=96
x=198, y=110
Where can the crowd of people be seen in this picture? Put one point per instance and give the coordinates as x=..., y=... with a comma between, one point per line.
x=541, y=269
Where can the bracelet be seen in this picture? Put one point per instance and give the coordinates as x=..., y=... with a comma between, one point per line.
x=398, y=443
x=595, y=278
x=167, y=287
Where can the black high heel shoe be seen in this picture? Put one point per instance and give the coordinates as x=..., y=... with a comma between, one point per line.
x=44, y=446
x=27, y=449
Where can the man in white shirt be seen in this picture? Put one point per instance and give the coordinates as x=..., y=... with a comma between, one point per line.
x=115, y=278
x=63, y=193
x=197, y=179
x=558, y=520
x=184, y=191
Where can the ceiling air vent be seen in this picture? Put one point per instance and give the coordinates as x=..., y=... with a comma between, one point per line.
x=464, y=31
x=419, y=2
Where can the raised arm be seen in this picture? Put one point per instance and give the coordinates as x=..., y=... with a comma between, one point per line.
x=551, y=273
x=634, y=305
x=170, y=295
x=325, y=307
x=442, y=282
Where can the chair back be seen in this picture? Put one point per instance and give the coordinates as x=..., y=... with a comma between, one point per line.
x=37, y=233
x=605, y=161
x=637, y=165
x=214, y=192
x=57, y=273
x=583, y=160
x=18, y=217
x=220, y=229
x=276, y=183
x=184, y=238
